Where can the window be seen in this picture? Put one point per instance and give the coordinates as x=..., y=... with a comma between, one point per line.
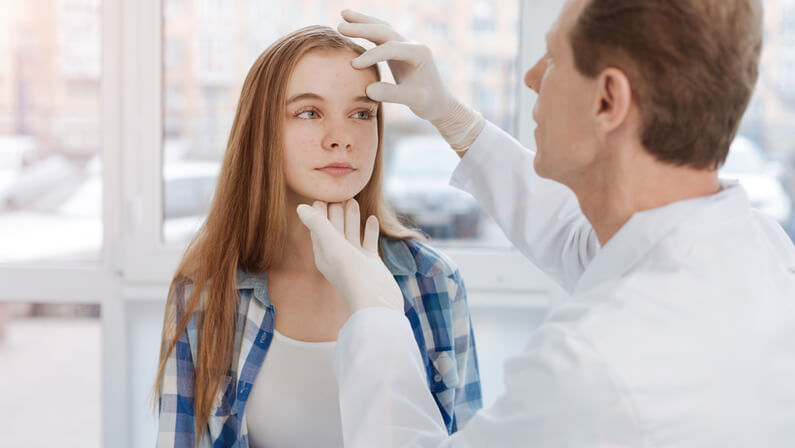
x=484, y=63
x=205, y=66
x=50, y=164
x=484, y=21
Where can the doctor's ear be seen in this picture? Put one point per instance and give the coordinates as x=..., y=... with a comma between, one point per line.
x=613, y=99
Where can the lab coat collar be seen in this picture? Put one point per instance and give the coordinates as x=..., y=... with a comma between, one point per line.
x=395, y=253
x=645, y=229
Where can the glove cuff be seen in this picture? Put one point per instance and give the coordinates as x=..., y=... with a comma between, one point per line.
x=461, y=127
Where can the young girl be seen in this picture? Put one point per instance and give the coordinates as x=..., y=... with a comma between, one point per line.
x=251, y=324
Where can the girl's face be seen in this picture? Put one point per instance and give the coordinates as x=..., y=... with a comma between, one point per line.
x=330, y=128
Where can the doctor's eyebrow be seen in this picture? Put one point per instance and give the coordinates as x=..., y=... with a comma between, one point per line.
x=316, y=97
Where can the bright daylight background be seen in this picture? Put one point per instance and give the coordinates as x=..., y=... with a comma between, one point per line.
x=113, y=120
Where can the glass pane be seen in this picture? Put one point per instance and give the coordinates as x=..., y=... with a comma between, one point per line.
x=50, y=169
x=762, y=156
x=50, y=370
x=209, y=46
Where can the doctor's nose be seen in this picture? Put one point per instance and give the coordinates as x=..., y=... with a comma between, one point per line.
x=532, y=78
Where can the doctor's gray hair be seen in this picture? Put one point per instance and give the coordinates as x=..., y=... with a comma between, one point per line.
x=692, y=65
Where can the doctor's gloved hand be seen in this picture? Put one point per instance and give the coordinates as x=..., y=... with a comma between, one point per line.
x=349, y=263
x=418, y=84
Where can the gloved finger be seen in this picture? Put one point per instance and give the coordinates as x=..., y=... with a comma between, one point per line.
x=336, y=214
x=393, y=50
x=371, y=235
x=310, y=217
x=315, y=219
x=353, y=223
x=357, y=17
x=377, y=33
x=392, y=93
x=317, y=250
x=321, y=207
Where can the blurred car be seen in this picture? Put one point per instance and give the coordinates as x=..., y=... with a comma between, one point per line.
x=417, y=186
x=762, y=179
x=188, y=189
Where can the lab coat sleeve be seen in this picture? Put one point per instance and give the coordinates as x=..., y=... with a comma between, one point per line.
x=559, y=392
x=542, y=218
x=384, y=396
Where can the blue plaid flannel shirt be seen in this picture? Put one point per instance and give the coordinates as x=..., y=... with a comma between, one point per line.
x=435, y=304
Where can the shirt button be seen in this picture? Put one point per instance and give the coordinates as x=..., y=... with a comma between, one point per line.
x=437, y=378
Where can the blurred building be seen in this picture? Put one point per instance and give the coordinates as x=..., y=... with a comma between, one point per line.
x=771, y=114
x=50, y=67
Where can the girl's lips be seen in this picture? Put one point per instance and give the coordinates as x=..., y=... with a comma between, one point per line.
x=336, y=171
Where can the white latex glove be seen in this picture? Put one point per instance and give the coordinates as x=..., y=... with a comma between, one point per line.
x=418, y=84
x=353, y=267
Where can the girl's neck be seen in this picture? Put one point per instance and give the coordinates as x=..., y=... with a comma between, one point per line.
x=298, y=255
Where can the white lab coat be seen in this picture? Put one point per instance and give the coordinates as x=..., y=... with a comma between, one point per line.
x=680, y=331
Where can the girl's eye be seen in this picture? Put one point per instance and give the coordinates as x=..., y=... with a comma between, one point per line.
x=307, y=114
x=363, y=115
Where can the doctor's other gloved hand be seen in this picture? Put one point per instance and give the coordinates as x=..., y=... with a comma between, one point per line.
x=349, y=263
x=418, y=84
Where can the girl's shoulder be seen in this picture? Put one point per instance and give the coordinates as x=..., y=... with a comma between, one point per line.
x=430, y=261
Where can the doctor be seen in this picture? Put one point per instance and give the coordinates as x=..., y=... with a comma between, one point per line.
x=680, y=328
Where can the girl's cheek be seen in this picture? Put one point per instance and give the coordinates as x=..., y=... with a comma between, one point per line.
x=303, y=137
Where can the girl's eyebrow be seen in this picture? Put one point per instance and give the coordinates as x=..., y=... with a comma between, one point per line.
x=316, y=97
x=305, y=96
x=364, y=99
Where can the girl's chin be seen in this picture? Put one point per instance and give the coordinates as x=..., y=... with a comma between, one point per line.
x=332, y=199
x=329, y=198
x=324, y=193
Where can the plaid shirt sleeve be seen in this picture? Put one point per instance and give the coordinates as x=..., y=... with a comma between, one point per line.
x=176, y=426
x=468, y=396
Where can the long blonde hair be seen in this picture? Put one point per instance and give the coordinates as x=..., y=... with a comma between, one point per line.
x=247, y=222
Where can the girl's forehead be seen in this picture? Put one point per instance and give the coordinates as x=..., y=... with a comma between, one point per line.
x=329, y=68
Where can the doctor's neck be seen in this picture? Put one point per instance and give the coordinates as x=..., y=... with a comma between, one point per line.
x=631, y=181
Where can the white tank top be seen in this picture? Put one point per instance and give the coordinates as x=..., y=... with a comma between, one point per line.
x=294, y=401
